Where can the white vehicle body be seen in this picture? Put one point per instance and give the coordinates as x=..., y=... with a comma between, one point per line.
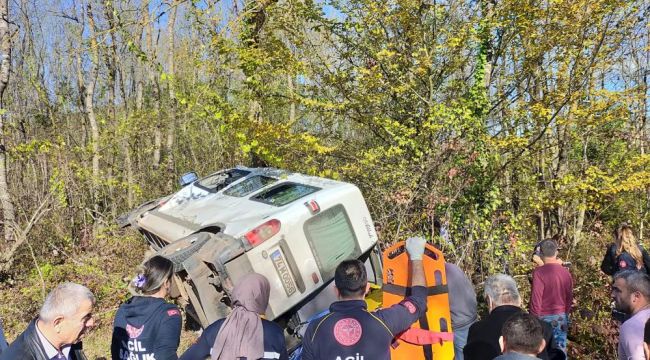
x=292, y=228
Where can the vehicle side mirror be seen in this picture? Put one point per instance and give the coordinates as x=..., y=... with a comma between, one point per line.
x=187, y=178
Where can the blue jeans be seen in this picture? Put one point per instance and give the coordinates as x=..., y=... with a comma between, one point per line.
x=460, y=340
x=560, y=325
x=3, y=340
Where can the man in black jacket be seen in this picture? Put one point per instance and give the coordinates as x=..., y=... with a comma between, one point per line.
x=56, y=334
x=503, y=300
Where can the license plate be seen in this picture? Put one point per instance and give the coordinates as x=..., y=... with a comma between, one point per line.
x=283, y=271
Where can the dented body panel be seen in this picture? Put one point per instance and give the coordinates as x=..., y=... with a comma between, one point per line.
x=206, y=229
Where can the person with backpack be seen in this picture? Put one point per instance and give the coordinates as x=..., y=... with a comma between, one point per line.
x=146, y=326
x=625, y=253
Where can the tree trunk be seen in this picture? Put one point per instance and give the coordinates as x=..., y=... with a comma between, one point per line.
x=643, y=133
x=87, y=90
x=155, y=88
x=112, y=61
x=139, y=88
x=115, y=68
x=139, y=73
x=5, y=62
x=292, y=106
x=488, y=13
x=560, y=171
x=580, y=221
x=171, y=131
x=90, y=93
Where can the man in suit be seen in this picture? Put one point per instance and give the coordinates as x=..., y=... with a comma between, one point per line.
x=502, y=296
x=56, y=334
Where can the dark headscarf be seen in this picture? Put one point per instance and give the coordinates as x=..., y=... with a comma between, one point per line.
x=241, y=334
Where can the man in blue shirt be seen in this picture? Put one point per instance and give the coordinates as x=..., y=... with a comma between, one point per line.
x=349, y=331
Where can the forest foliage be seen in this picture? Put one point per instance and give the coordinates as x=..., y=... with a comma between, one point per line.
x=487, y=125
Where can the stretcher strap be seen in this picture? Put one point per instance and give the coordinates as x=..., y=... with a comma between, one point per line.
x=401, y=290
x=427, y=349
x=417, y=336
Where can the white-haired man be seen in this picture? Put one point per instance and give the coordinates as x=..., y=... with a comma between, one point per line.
x=503, y=300
x=65, y=316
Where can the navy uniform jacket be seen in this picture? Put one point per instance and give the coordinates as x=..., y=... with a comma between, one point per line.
x=274, y=346
x=351, y=332
x=610, y=264
x=146, y=328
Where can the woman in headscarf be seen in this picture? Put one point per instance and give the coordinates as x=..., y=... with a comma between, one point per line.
x=242, y=335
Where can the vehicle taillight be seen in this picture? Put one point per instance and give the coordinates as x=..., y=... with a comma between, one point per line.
x=263, y=232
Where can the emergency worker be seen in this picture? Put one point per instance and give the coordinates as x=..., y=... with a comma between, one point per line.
x=625, y=253
x=349, y=331
x=146, y=327
x=243, y=334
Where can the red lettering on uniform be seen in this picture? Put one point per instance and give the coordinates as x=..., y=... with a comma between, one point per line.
x=410, y=307
x=173, y=312
x=347, y=332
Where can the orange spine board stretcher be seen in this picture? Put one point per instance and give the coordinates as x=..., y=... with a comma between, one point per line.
x=433, y=330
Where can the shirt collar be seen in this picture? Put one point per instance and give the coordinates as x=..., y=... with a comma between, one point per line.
x=346, y=305
x=507, y=308
x=50, y=350
x=644, y=310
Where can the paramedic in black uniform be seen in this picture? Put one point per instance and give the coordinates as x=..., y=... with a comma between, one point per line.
x=146, y=327
x=349, y=331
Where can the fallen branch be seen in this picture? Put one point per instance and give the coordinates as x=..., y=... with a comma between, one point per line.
x=21, y=236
